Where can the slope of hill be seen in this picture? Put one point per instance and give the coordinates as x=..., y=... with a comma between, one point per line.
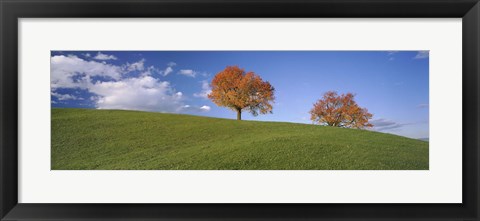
x=86, y=139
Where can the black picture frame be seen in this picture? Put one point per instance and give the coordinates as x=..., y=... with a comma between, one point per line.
x=11, y=10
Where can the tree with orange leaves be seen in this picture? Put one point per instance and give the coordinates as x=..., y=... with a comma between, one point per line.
x=235, y=89
x=340, y=111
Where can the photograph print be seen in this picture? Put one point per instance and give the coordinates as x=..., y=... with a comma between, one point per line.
x=239, y=110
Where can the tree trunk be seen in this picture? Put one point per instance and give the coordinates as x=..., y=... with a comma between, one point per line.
x=239, y=114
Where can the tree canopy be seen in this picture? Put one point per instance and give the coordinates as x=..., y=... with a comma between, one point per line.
x=340, y=111
x=242, y=91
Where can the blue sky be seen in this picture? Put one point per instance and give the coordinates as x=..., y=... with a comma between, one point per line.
x=392, y=85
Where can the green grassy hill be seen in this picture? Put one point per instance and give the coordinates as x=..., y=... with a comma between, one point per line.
x=86, y=139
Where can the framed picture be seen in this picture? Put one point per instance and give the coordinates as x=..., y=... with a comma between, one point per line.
x=171, y=110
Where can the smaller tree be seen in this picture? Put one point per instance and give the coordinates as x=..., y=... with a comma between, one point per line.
x=235, y=89
x=340, y=111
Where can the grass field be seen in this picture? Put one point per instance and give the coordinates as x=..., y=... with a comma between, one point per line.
x=87, y=139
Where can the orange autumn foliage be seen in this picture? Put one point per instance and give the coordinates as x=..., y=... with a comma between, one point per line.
x=340, y=111
x=235, y=89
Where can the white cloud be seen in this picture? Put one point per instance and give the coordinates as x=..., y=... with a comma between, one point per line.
x=112, y=90
x=382, y=124
x=143, y=93
x=188, y=72
x=390, y=55
x=136, y=66
x=101, y=56
x=87, y=55
x=149, y=71
x=63, y=97
x=205, y=90
x=169, y=69
x=73, y=72
x=205, y=108
x=195, y=109
x=422, y=55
